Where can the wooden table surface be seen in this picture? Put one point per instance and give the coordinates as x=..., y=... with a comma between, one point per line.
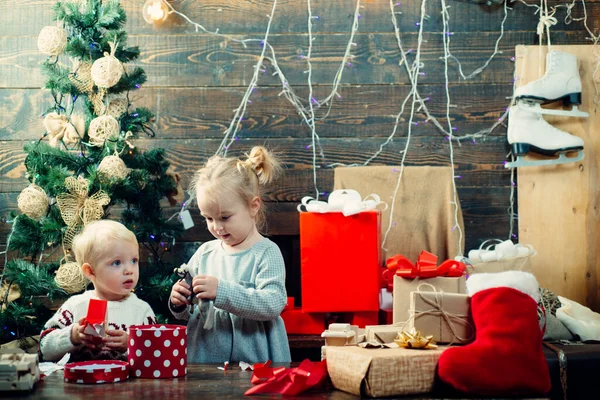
x=203, y=381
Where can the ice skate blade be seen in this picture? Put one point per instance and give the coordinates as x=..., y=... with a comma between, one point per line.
x=562, y=159
x=536, y=108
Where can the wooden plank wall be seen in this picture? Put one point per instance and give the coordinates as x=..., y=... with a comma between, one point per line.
x=195, y=80
x=559, y=204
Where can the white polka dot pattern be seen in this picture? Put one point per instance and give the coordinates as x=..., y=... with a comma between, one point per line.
x=159, y=351
x=99, y=371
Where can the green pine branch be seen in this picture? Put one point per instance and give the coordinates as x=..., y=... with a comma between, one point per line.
x=33, y=280
x=26, y=236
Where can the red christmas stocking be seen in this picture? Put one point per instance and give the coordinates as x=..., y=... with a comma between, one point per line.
x=506, y=356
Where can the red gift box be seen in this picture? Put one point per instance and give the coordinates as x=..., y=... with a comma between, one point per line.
x=158, y=351
x=298, y=322
x=340, y=261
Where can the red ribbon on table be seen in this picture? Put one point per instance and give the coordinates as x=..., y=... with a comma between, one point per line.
x=287, y=381
x=425, y=267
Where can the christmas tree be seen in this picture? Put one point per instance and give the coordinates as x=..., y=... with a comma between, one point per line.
x=84, y=164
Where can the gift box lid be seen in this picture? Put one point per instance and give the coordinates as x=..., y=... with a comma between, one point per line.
x=98, y=371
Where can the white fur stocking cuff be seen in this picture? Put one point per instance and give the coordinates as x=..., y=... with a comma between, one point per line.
x=524, y=282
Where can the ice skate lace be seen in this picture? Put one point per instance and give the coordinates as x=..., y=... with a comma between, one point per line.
x=550, y=69
x=546, y=21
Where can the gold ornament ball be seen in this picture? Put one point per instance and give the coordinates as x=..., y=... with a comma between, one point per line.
x=33, y=201
x=107, y=71
x=70, y=278
x=52, y=40
x=102, y=128
x=113, y=166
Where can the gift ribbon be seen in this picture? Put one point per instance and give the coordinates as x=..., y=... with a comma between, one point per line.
x=425, y=267
x=437, y=310
x=346, y=201
x=287, y=381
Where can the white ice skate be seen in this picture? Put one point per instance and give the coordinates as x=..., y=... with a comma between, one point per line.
x=560, y=82
x=529, y=132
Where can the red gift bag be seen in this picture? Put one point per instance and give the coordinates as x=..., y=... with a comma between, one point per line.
x=340, y=261
x=157, y=351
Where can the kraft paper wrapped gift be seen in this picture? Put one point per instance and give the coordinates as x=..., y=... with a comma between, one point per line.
x=382, y=372
x=445, y=316
x=403, y=288
x=382, y=333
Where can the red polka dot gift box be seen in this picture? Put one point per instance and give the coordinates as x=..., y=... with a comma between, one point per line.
x=157, y=351
x=99, y=371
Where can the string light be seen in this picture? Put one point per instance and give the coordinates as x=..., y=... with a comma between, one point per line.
x=155, y=11
x=454, y=203
x=308, y=106
x=413, y=93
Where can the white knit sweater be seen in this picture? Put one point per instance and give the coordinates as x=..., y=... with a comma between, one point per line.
x=55, y=340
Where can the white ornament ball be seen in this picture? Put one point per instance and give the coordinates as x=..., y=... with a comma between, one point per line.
x=107, y=71
x=52, y=40
x=33, y=201
x=102, y=128
x=113, y=166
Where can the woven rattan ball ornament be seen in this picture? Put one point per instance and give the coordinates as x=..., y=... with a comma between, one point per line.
x=107, y=71
x=70, y=278
x=52, y=40
x=33, y=201
x=102, y=128
x=117, y=107
x=113, y=166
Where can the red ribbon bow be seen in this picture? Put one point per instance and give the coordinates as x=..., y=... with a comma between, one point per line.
x=424, y=268
x=287, y=381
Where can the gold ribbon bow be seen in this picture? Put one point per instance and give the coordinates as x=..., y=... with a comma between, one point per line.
x=59, y=127
x=414, y=340
x=77, y=208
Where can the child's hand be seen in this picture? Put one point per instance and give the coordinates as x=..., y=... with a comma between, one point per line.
x=116, y=340
x=180, y=293
x=205, y=286
x=78, y=337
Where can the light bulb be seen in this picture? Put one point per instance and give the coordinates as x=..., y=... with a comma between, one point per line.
x=154, y=11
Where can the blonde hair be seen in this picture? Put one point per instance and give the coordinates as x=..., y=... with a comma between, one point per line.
x=89, y=244
x=247, y=178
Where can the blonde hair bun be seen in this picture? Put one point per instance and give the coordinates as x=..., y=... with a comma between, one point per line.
x=264, y=164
